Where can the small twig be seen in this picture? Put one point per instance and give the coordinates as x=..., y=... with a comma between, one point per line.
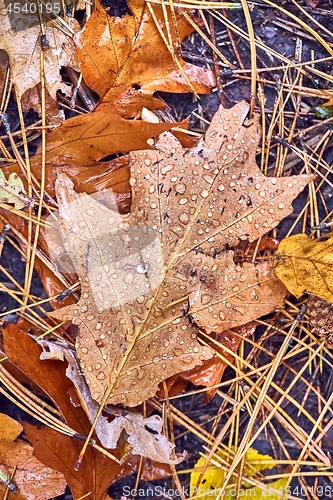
x=13, y=488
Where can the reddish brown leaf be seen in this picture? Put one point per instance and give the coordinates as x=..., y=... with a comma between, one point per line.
x=52, y=448
x=24, y=353
x=33, y=479
x=211, y=371
x=61, y=452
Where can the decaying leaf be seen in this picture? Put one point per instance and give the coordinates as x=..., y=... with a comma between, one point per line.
x=212, y=488
x=148, y=279
x=23, y=48
x=139, y=430
x=12, y=190
x=143, y=435
x=306, y=266
x=117, y=57
x=33, y=479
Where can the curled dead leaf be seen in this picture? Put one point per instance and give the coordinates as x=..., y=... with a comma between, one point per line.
x=143, y=435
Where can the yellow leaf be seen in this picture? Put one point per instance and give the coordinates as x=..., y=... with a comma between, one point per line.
x=306, y=266
x=268, y=493
x=212, y=480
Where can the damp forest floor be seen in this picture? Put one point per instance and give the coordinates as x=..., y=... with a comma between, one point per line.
x=293, y=77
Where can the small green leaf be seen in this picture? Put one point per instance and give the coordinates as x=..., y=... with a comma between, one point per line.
x=324, y=112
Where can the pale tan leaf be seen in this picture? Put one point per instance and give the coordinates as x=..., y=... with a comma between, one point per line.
x=146, y=278
x=144, y=435
x=23, y=48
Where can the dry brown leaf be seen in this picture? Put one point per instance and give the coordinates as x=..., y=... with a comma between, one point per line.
x=145, y=278
x=85, y=139
x=34, y=480
x=23, y=48
x=117, y=57
x=306, y=266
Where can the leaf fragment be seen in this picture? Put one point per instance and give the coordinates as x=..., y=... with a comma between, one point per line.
x=12, y=190
x=23, y=48
x=306, y=266
x=33, y=479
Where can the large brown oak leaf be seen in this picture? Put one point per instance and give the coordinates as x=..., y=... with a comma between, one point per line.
x=150, y=280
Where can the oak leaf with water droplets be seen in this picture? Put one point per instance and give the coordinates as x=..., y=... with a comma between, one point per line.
x=150, y=279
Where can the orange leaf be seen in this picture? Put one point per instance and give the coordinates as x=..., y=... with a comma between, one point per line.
x=33, y=479
x=118, y=58
x=85, y=139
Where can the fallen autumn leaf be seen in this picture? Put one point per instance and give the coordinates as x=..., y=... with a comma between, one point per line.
x=147, y=279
